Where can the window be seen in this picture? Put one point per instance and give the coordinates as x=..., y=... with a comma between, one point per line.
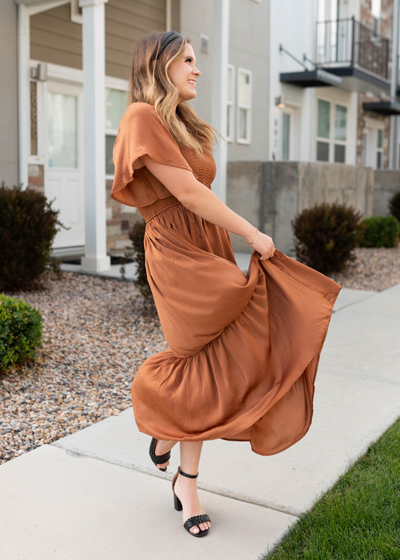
x=331, y=140
x=230, y=124
x=116, y=105
x=244, y=106
x=379, y=148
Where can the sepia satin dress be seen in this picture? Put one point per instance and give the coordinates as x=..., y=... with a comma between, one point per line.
x=243, y=349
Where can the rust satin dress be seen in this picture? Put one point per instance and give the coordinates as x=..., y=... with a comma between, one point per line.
x=243, y=349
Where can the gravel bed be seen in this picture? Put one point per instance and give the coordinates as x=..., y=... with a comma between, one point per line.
x=97, y=332
x=373, y=269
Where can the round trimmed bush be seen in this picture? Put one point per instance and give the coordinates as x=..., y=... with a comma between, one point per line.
x=378, y=231
x=20, y=331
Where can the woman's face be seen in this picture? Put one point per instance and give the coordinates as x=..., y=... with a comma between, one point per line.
x=182, y=72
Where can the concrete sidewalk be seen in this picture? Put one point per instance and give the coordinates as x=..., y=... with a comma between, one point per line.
x=95, y=495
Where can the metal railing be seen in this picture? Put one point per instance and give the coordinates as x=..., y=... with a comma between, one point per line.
x=347, y=41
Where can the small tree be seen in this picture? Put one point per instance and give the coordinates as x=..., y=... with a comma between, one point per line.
x=326, y=236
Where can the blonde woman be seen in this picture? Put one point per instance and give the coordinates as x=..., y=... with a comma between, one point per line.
x=243, y=349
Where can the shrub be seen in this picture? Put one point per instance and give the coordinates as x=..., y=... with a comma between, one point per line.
x=136, y=235
x=20, y=331
x=378, y=231
x=326, y=236
x=28, y=226
x=394, y=206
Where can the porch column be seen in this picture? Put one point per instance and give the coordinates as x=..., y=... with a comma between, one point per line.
x=219, y=90
x=93, y=39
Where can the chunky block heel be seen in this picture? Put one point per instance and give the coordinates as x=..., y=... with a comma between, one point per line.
x=195, y=519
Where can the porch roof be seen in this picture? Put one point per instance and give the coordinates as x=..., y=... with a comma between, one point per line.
x=382, y=107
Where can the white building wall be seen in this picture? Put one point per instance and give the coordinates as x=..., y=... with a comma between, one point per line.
x=293, y=24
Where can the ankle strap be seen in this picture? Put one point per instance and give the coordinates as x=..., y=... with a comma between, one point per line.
x=186, y=474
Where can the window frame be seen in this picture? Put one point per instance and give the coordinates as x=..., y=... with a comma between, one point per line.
x=120, y=85
x=247, y=108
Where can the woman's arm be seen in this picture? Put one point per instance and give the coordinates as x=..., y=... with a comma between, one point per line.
x=202, y=201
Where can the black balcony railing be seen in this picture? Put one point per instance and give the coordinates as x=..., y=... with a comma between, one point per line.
x=347, y=41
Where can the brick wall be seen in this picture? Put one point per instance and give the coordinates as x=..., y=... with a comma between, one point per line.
x=120, y=219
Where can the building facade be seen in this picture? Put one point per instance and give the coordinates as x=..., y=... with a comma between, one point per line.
x=283, y=81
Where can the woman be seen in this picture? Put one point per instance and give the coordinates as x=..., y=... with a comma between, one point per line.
x=243, y=350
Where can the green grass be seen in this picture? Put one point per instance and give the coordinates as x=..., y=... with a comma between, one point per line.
x=359, y=517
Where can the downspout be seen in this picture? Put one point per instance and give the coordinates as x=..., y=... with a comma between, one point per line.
x=394, y=120
x=23, y=94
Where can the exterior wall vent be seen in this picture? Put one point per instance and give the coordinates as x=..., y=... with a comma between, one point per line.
x=204, y=44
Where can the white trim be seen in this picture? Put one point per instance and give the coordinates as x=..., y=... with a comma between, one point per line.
x=23, y=94
x=44, y=6
x=219, y=62
x=231, y=104
x=248, y=107
x=76, y=17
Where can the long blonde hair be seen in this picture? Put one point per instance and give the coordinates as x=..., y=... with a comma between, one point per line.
x=150, y=83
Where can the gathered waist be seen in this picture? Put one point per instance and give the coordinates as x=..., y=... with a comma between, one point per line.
x=148, y=212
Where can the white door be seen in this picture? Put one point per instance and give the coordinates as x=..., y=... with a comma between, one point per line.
x=373, y=147
x=64, y=160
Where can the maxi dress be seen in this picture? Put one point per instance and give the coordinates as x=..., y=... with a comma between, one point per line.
x=243, y=349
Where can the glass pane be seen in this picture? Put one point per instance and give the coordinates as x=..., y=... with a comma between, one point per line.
x=244, y=89
x=34, y=142
x=230, y=83
x=116, y=105
x=340, y=122
x=379, y=160
x=380, y=138
x=376, y=8
x=285, y=136
x=243, y=124
x=324, y=110
x=322, y=151
x=340, y=153
x=110, y=139
x=364, y=152
x=62, y=130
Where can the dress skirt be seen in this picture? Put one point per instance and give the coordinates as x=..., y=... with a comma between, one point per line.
x=243, y=348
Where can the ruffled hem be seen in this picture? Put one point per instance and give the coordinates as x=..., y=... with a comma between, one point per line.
x=255, y=380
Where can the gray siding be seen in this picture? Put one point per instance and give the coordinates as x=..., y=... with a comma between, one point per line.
x=58, y=40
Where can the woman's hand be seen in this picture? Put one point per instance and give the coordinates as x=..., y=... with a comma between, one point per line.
x=264, y=245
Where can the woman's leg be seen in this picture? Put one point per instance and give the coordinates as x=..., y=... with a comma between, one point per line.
x=186, y=488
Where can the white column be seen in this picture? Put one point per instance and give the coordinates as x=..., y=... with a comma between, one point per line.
x=220, y=60
x=23, y=94
x=93, y=39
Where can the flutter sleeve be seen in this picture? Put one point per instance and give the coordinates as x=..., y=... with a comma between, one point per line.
x=141, y=131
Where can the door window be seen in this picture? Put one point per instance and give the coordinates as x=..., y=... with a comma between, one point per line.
x=62, y=131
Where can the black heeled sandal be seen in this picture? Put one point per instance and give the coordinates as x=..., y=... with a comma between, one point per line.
x=158, y=459
x=195, y=519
